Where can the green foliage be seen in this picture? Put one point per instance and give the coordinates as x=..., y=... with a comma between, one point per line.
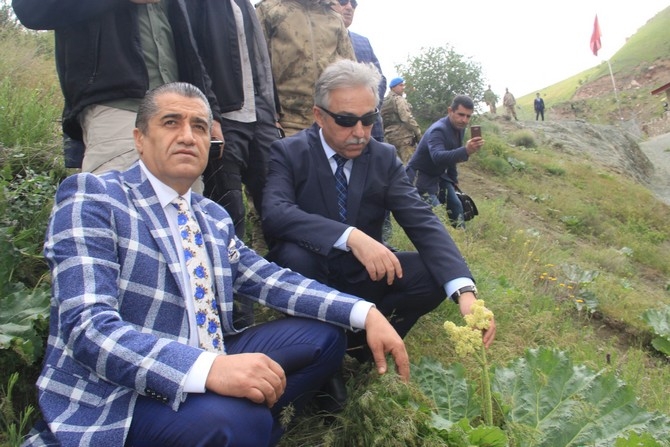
x=568, y=405
x=461, y=434
x=30, y=116
x=13, y=427
x=516, y=164
x=30, y=98
x=30, y=168
x=454, y=398
x=494, y=165
x=435, y=76
x=659, y=320
x=637, y=440
x=26, y=194
x=381, y=411
x=555, y=170
x=523, y=138
x=21, y=312
x=546, y=401
x=25, y=203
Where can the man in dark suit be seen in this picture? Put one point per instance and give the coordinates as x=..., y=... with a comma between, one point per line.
x=126, y=363
x=433, y=167
x=309, y=233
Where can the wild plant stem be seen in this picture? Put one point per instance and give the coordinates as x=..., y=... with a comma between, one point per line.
x=487, y=401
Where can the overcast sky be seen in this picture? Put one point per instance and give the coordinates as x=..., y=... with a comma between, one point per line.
x=525, y=45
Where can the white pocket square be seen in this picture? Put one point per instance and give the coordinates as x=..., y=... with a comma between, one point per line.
x=233, y=253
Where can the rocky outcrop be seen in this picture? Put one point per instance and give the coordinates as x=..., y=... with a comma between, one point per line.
x=615, y=147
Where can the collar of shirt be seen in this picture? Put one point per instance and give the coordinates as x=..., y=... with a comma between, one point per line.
x=164, y=193
x=329, y=155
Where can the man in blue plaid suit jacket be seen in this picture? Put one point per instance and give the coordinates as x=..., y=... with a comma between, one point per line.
x=122, y=365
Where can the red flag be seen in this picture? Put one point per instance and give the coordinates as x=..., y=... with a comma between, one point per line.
x=595, y=37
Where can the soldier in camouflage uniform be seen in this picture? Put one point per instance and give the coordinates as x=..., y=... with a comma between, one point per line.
x=510, y=104
x=303, y=37
x=400, y=127
x=490, y=99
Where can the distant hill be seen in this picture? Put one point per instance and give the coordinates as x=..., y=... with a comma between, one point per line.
x=640, y=66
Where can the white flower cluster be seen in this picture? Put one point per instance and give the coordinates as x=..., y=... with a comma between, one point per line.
x=468, y=339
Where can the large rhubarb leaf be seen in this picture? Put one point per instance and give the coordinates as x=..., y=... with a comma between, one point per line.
x=20, y=311
x=453, y=396
x=558, y=404
x=659, y=320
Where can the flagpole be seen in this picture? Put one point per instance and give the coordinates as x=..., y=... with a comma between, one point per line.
x=595, y=46
x=616, y=96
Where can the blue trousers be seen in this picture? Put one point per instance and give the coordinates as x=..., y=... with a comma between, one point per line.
x=454, y=206
x=309, y=351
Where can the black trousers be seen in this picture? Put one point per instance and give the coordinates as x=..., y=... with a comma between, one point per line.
x=404, y=301
x=245, y=160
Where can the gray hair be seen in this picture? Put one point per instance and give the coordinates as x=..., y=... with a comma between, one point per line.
x=149, y=108
x=346, y=73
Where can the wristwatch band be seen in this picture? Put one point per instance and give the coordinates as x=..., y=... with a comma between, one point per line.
x=457, y=294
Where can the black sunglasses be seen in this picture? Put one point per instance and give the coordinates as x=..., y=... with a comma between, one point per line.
x=351, y=120
x=354, y=3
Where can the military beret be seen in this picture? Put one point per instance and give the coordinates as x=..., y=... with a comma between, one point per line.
x=396, y=81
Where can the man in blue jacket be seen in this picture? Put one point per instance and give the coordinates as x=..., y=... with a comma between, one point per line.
x=433, y=165
x=126, y=363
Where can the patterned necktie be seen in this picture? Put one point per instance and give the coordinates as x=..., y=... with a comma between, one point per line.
x=341, y=185
x=206, y=311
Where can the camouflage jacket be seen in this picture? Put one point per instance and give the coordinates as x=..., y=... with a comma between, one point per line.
x=508, y=100
x=304, y=37
x=490, y=97
x=399, y=123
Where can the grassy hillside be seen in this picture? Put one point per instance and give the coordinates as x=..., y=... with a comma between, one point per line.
x=589, y=95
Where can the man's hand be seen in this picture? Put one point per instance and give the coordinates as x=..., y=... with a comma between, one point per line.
x=378, y=260
x=465, y=303
x=253, y=376
x=383, y=339
x=473, y=145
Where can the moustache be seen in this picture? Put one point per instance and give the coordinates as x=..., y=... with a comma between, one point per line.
x=356, y=141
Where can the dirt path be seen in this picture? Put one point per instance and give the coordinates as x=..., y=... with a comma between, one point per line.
x=657, y=149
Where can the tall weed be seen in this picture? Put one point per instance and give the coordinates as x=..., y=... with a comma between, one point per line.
x=30, y=98
x=29, y=117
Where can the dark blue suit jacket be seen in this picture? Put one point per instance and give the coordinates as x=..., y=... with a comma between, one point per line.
x=364, y=53
x=300, y=203
x=436, y=155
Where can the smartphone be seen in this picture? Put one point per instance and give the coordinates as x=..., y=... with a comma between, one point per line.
x=215, y=150
x=475, y=131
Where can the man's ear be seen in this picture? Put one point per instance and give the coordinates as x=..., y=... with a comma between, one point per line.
x=318, y=116
x=139, y=140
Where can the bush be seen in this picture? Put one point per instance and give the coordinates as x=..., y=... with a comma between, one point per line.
x=523, y=138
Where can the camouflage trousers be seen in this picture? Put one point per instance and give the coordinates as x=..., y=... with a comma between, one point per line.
x=511, y=110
